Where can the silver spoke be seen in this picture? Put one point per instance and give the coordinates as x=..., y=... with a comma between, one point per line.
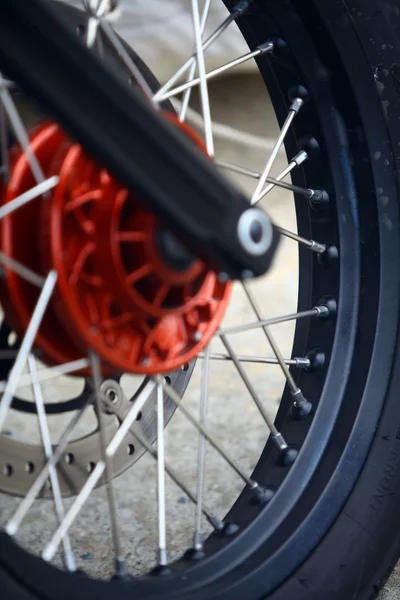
x=311, y=244
x=259, y=51
x=192, y=70
x=296, y=392
x=21, y=133
x=205, y=101
x=21, y=270
x=96, y=10
x=294, y=109
x=48, y=452
x=162, y=527
x=31, y=194
x=19, y=515
x=275, y=434
x=301, y=363
x=26, y=345
x=208, y=436
x=119, y=559
x=198, y=535
x=210, y=40
x=92, y=480
x=317, y=311
x=49, y=373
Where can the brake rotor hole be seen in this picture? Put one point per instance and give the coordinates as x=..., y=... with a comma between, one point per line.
x=69, y=458
x=7, y=470
x=131, y=449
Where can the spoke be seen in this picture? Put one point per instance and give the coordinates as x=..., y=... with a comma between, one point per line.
x=198, y=535
x=4, y=145
x=96, y=9
x=93, y=479
x=21, y=270
x=311, y=244
x=297, y=160
x=26, y=345
x=49, y=373
x=317, y=311
x=31, y=194
x=208, y=436
x=237, y=11
x=16, y=520
x=296, y=392
x=48, y=452
x=301, y=363
x=275, y=434
x=162, y=527
x=21, y=133
x=259, y=51
x=119, y=559
x=205, y=101
x=294, y=109
x=192, y=70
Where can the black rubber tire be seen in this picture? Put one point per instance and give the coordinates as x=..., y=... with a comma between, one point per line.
x=358, y=542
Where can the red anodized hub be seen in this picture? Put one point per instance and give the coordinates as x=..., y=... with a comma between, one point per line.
x=115, y=294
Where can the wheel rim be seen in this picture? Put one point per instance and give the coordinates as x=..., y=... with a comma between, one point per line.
x=294, y=430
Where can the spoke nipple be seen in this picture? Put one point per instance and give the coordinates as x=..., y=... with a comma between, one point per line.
x=262, y=495
x=229, y=529
x=318, y=199
x=323, y=312
x=298, y=92
x=161, y=570
x=196, y=553
x=280, y=47
x=317, y=247
x=265, y=48
x=215, y=523
x=301, y=407
x=300, y=158
x=120, y=572
x=327, y=308
x=316, y=358
x=296, y=105
x=247, y=274
x=287, y=457
x=240, y=8
x=303, y=363
x=329, y=257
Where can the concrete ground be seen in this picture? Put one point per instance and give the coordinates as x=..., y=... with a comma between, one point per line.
x=243, y=103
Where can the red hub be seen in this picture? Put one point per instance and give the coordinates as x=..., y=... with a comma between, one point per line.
x=125, y=287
